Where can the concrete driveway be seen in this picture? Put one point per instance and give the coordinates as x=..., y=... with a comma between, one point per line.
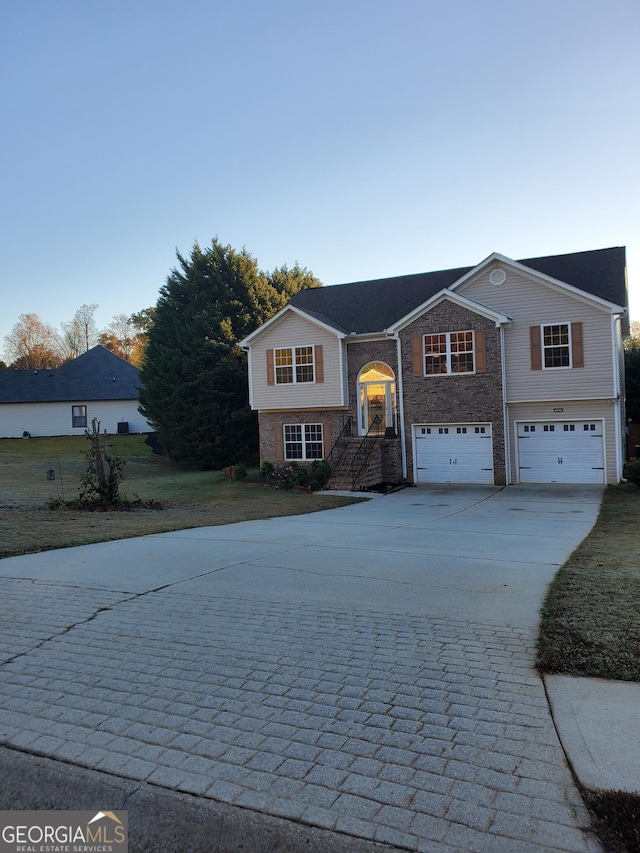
x=366, y=670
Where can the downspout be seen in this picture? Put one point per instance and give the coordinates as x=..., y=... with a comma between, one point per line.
x=401, y=425
x=617, y=391
x=250, y=374
x=505, y=413
x=341, y=347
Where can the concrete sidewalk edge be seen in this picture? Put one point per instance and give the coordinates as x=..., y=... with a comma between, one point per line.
x=598, y=722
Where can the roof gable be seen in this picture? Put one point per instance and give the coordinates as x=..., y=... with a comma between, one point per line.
x=498, y=317
x=97, y=374
x=316, y=317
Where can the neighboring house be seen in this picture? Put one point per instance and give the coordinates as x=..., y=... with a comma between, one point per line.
x=97, y=384
x=506, y=372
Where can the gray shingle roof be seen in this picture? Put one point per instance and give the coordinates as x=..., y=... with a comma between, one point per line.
x=372, y=306
x=95, y=375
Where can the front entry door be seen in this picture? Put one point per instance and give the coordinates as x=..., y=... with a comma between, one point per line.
x=377, y=397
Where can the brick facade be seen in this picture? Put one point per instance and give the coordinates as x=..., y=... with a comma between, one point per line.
x=473, y=398
x=271, y=424
x=361, y=353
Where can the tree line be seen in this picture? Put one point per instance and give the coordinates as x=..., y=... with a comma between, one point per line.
x=34, y=344
x=195, y=390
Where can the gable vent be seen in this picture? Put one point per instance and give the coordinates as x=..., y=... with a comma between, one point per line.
x=497, y=276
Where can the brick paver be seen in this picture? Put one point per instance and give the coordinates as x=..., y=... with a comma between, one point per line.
x=422, y=733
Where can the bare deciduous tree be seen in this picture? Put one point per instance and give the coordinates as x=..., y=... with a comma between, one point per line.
x=80, y=333
x=32, y=344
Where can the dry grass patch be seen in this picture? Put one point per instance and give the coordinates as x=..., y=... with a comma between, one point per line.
x=591, y=616
x=617, y=819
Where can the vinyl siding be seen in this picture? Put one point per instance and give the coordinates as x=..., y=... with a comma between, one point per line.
x=295, y=331
x=578, y=410
x=44, y=419
x=528, y=302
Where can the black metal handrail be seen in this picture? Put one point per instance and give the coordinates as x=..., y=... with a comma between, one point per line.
x=346, y=430
x=365, y=449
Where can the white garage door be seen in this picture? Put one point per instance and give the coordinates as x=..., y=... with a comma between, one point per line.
x=561, y=452
x=454, y=453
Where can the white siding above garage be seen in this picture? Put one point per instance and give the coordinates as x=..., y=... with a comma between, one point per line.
x=44, y=419
x=529, y=301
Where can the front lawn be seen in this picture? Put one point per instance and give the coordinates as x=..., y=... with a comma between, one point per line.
x=591, y=627
x=591, y=616
x=188, y=498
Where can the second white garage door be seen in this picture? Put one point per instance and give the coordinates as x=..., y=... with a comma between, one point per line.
x=561, y=452
x=453, y=453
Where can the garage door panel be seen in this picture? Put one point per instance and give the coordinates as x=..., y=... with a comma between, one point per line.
x=561, y=452
x=454, y=453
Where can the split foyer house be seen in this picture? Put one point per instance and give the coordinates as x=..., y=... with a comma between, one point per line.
x=505, y=372
x=63, y=401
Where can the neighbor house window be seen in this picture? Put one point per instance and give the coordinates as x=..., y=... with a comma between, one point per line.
x=303, y=441
x=78, y=416
x=556, y=345
x=448, y=352
x=294, y=364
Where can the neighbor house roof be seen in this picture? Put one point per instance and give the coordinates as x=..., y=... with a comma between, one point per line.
x=97, y=374
x=373, y=306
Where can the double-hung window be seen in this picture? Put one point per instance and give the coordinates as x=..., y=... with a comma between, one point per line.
x=78, y=416
x=556, y=345
x=448, y=353
x=302, y=441
x=293, y=365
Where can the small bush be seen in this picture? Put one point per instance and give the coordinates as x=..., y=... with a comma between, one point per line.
x=319, y=473
x=632, y=471
x=266, y=470
x=229, y=472
x=102, y=480
x=292, y=474
x=241, y=471
x=285, y=476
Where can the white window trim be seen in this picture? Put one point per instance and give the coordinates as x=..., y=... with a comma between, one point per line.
x=294, y=364
x=304, y=442
x=543, y=348
x=448, y=353
x=75, y=417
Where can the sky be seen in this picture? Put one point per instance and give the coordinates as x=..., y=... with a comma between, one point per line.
x=360, y=138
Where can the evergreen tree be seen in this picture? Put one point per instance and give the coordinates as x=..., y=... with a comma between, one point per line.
x=194, y=373
x=632, y=375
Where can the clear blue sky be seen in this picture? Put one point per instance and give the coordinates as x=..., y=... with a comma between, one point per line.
x=362, y=138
